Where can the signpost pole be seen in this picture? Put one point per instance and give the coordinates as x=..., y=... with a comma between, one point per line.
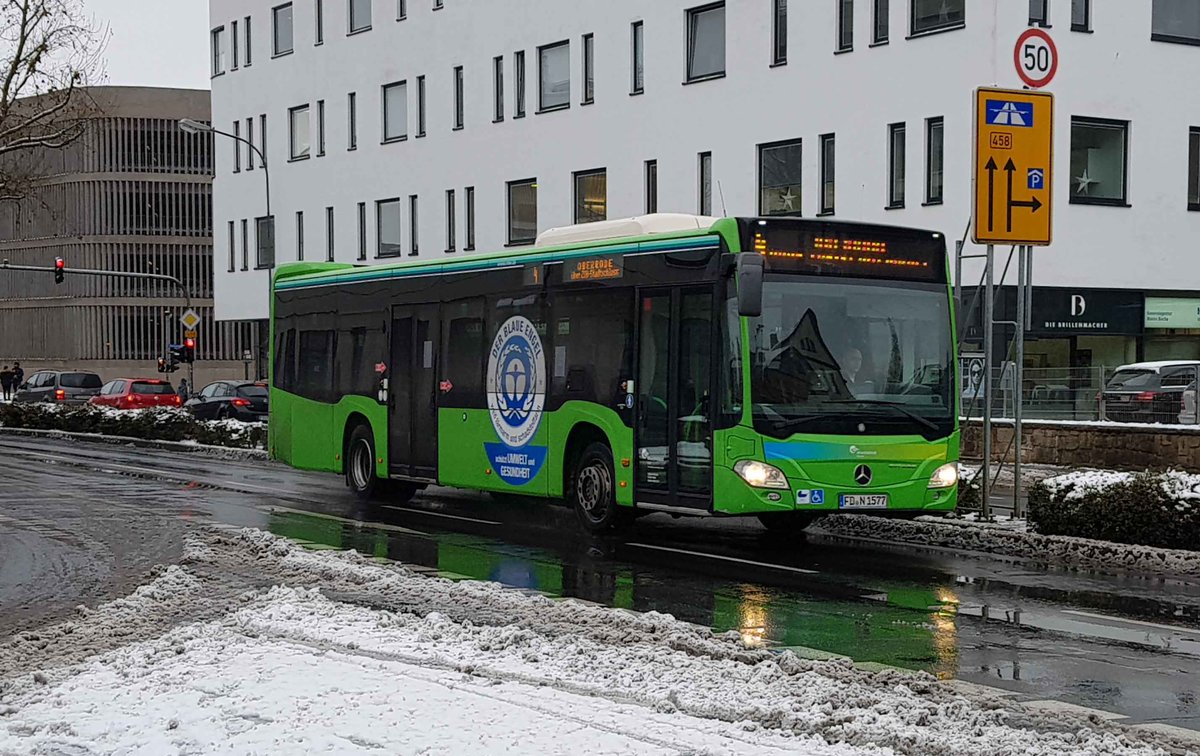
x=1019, y=369
x=985, y=489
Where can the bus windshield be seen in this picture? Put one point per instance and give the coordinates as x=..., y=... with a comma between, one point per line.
x=850, y=356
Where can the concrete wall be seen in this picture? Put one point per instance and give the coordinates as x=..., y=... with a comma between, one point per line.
x=1116, y=72
x=1090, y=445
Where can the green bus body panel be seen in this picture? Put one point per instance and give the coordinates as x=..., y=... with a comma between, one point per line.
x=308, y=435
x=463, y=461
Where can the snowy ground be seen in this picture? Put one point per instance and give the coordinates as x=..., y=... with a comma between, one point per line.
x=254, y=645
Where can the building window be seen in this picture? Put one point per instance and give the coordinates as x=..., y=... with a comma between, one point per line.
x=779, y=32
x=401, y=10
x=1194, y=168
x=1175, y=21
x=1099, y=150
x=498, y=89
x=1039, y=13
x=320, y=128
x=262, y=137
x=352, y=121
x=828, y=173
x=249, y=47
x=522, y=212
x=329, y=234
x=218, y=51
x=249, y=148
x=413, y=239
x=934, y=160
x=232, y=247
x=387, y=228
x=1081, y=15
x=362, y=230
x=237, y=146
x=706, y=42
x=281, y=20
x=651, y=188
x=298, y=133
x=233, y=40
x=705, y=183
x=420, y=106
x=845, y=25
x=638, y=66
x=896, y=165
x=458, y=98
x=591, y=196
x=780, y=178
x=469, y=201
x=264, y=230
x=519, y=84
x=451, y=212
x=360, y=15
x=245, y=244
x=554, y=76
x=395, y=111
x=299, y=235
x=880, y=28
x=589, y=69
x=936, y=15
x=319, y=19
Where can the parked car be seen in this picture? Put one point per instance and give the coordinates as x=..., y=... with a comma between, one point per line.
x=137, y=393
x=239, y=400
x=1148, y=392
x=1187, y=415
x=59, y=386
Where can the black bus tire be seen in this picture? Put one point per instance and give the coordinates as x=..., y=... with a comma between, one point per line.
x=787, y=524
x=360, y=464
x=592, y=491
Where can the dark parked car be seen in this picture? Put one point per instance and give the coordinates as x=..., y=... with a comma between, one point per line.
x=59, y=386
x=239, y=400
x=137, y=393
x=1148, y=392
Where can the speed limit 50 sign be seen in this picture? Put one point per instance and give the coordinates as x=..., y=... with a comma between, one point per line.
x=1036, y=58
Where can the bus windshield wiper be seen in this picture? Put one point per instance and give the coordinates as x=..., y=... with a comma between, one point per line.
x=782, y=426
x=897, y=406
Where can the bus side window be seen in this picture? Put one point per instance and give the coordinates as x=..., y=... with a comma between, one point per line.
x=593, y=346
x=462, y=346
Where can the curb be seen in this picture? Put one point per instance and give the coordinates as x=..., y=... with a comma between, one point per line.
x=225, y=452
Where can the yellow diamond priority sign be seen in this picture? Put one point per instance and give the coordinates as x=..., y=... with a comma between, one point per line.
x=189, y=319
x=1014, y=151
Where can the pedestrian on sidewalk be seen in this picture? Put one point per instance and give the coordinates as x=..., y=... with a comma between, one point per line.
x=18, y=379
x=184, y=390
x=6, y=382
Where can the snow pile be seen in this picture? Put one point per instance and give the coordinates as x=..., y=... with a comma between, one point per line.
x=1176, y=484
x=344, y=655
x=152, y=424
x=1044, y=549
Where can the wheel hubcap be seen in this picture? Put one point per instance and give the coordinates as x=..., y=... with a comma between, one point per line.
x=360, y=466
x=594, y=488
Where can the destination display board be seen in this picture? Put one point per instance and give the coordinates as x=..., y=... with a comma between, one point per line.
x=866, y=252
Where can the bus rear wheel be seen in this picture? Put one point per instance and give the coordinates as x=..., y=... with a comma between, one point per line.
x=360, y=464
x=592, y=490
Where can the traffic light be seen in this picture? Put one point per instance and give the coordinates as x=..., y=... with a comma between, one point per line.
x=174, y=357
x=188, y=353
x=60, y=267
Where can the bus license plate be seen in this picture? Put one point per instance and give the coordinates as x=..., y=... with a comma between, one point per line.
x=864, y=501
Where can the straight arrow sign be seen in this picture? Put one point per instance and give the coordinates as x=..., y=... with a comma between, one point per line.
x=991, y=169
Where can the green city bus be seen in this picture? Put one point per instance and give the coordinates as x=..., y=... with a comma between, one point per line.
x=779, y=367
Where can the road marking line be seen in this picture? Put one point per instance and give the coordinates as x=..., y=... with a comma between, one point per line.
x=1155, y=625
x=440, y=514
x=800, y=570
x=360, y=523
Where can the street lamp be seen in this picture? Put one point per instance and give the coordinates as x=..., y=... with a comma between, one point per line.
x=192, y=126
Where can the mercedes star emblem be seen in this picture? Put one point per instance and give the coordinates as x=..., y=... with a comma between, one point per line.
x=862, y=475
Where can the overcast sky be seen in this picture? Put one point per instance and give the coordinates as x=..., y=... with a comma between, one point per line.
x=155, y=43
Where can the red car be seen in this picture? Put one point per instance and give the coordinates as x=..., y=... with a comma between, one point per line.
x=137, y=393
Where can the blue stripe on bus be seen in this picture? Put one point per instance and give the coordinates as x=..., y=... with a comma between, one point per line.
x=361, y=276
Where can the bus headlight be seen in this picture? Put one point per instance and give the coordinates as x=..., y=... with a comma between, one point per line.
x=945, y=476
x=760, y=474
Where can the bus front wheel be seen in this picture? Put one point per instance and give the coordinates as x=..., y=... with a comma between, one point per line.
x=360, y=464
x=593, y=491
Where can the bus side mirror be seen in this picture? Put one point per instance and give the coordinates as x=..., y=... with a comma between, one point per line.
x=750, y=284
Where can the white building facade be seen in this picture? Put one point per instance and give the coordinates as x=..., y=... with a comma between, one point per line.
x=396, y=129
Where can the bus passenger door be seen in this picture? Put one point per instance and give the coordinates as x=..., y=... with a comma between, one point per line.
x=673, y=432
x=412, y=411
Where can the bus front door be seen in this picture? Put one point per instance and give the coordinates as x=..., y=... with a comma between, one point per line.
x=412, y=412
x=674, y=424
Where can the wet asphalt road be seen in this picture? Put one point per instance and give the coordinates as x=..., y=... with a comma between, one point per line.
x=83, y=523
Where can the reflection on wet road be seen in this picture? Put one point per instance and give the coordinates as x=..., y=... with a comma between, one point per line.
x=1126, y=644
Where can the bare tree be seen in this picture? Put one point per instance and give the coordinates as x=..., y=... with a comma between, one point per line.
x=50, y=51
